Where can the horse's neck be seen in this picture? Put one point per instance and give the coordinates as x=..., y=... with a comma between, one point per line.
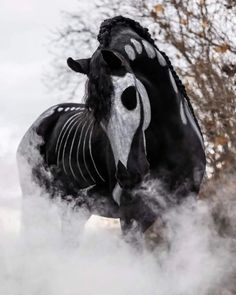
x=164, y=97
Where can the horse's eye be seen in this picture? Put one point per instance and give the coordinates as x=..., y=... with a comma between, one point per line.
x=129, y=98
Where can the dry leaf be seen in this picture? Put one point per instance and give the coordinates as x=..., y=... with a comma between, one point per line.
x=184, y=22
x=205, y=23
x=222, y=48
x=158, y=8
x=221, y=140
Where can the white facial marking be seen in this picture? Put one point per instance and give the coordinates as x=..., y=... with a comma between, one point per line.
x=161, y=59
x=192, y=122
x=130, y=51
x=123, y=123
x=149, y=49
x=173, y=82
x=60, y=109
x=182, y=113
x=137, y=45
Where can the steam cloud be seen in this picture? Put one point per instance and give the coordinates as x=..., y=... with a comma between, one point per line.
x=196, y=257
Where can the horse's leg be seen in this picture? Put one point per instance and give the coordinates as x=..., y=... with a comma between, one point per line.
x=131, y=233
x=136, y=216
x=130, y=228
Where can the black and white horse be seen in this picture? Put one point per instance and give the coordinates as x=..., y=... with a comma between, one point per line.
x=137, y=123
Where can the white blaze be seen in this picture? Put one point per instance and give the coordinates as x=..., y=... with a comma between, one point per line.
x=173, y=82
x=123, y=123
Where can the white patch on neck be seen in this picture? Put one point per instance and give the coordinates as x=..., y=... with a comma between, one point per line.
x=161, y=59
x=137, y=45
x=130, y=51
x=149, y=49
x=146, y=103
x=182, y=113
x=173, y=82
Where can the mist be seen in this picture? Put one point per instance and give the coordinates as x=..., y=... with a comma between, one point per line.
x=42, y=258
x=196, y=256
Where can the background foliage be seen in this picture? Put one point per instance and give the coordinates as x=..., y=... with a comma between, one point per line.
x=197, y=35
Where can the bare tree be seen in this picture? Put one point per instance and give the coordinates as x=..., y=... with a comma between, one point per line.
x=199, y=38
x=202, y=33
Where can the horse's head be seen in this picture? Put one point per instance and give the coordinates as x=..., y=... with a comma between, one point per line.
x=142, y=105
x=172, y=133
x=120, y=103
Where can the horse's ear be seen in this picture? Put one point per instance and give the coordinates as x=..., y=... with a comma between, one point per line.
x=79, y=65
x=112, y=58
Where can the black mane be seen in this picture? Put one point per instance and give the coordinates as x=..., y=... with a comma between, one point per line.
x=100, y=87
x=100, y=81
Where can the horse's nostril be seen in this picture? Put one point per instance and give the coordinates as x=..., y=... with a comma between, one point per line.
x=128, y=179
x=129, y=197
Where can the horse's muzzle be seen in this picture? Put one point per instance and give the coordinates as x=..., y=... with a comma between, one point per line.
x=129, y=178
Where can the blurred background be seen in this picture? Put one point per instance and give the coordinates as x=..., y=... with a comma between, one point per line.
x=38, y=36
x=197, y=35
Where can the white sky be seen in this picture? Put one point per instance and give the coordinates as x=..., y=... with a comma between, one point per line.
x=24, y=30
x=25, y=27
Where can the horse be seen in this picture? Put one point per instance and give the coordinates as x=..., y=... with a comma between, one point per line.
x=136, y=124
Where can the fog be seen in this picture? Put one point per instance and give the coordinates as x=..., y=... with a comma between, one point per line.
x=42, y=258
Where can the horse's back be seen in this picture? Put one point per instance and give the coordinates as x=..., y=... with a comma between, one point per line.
x=41, y=129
